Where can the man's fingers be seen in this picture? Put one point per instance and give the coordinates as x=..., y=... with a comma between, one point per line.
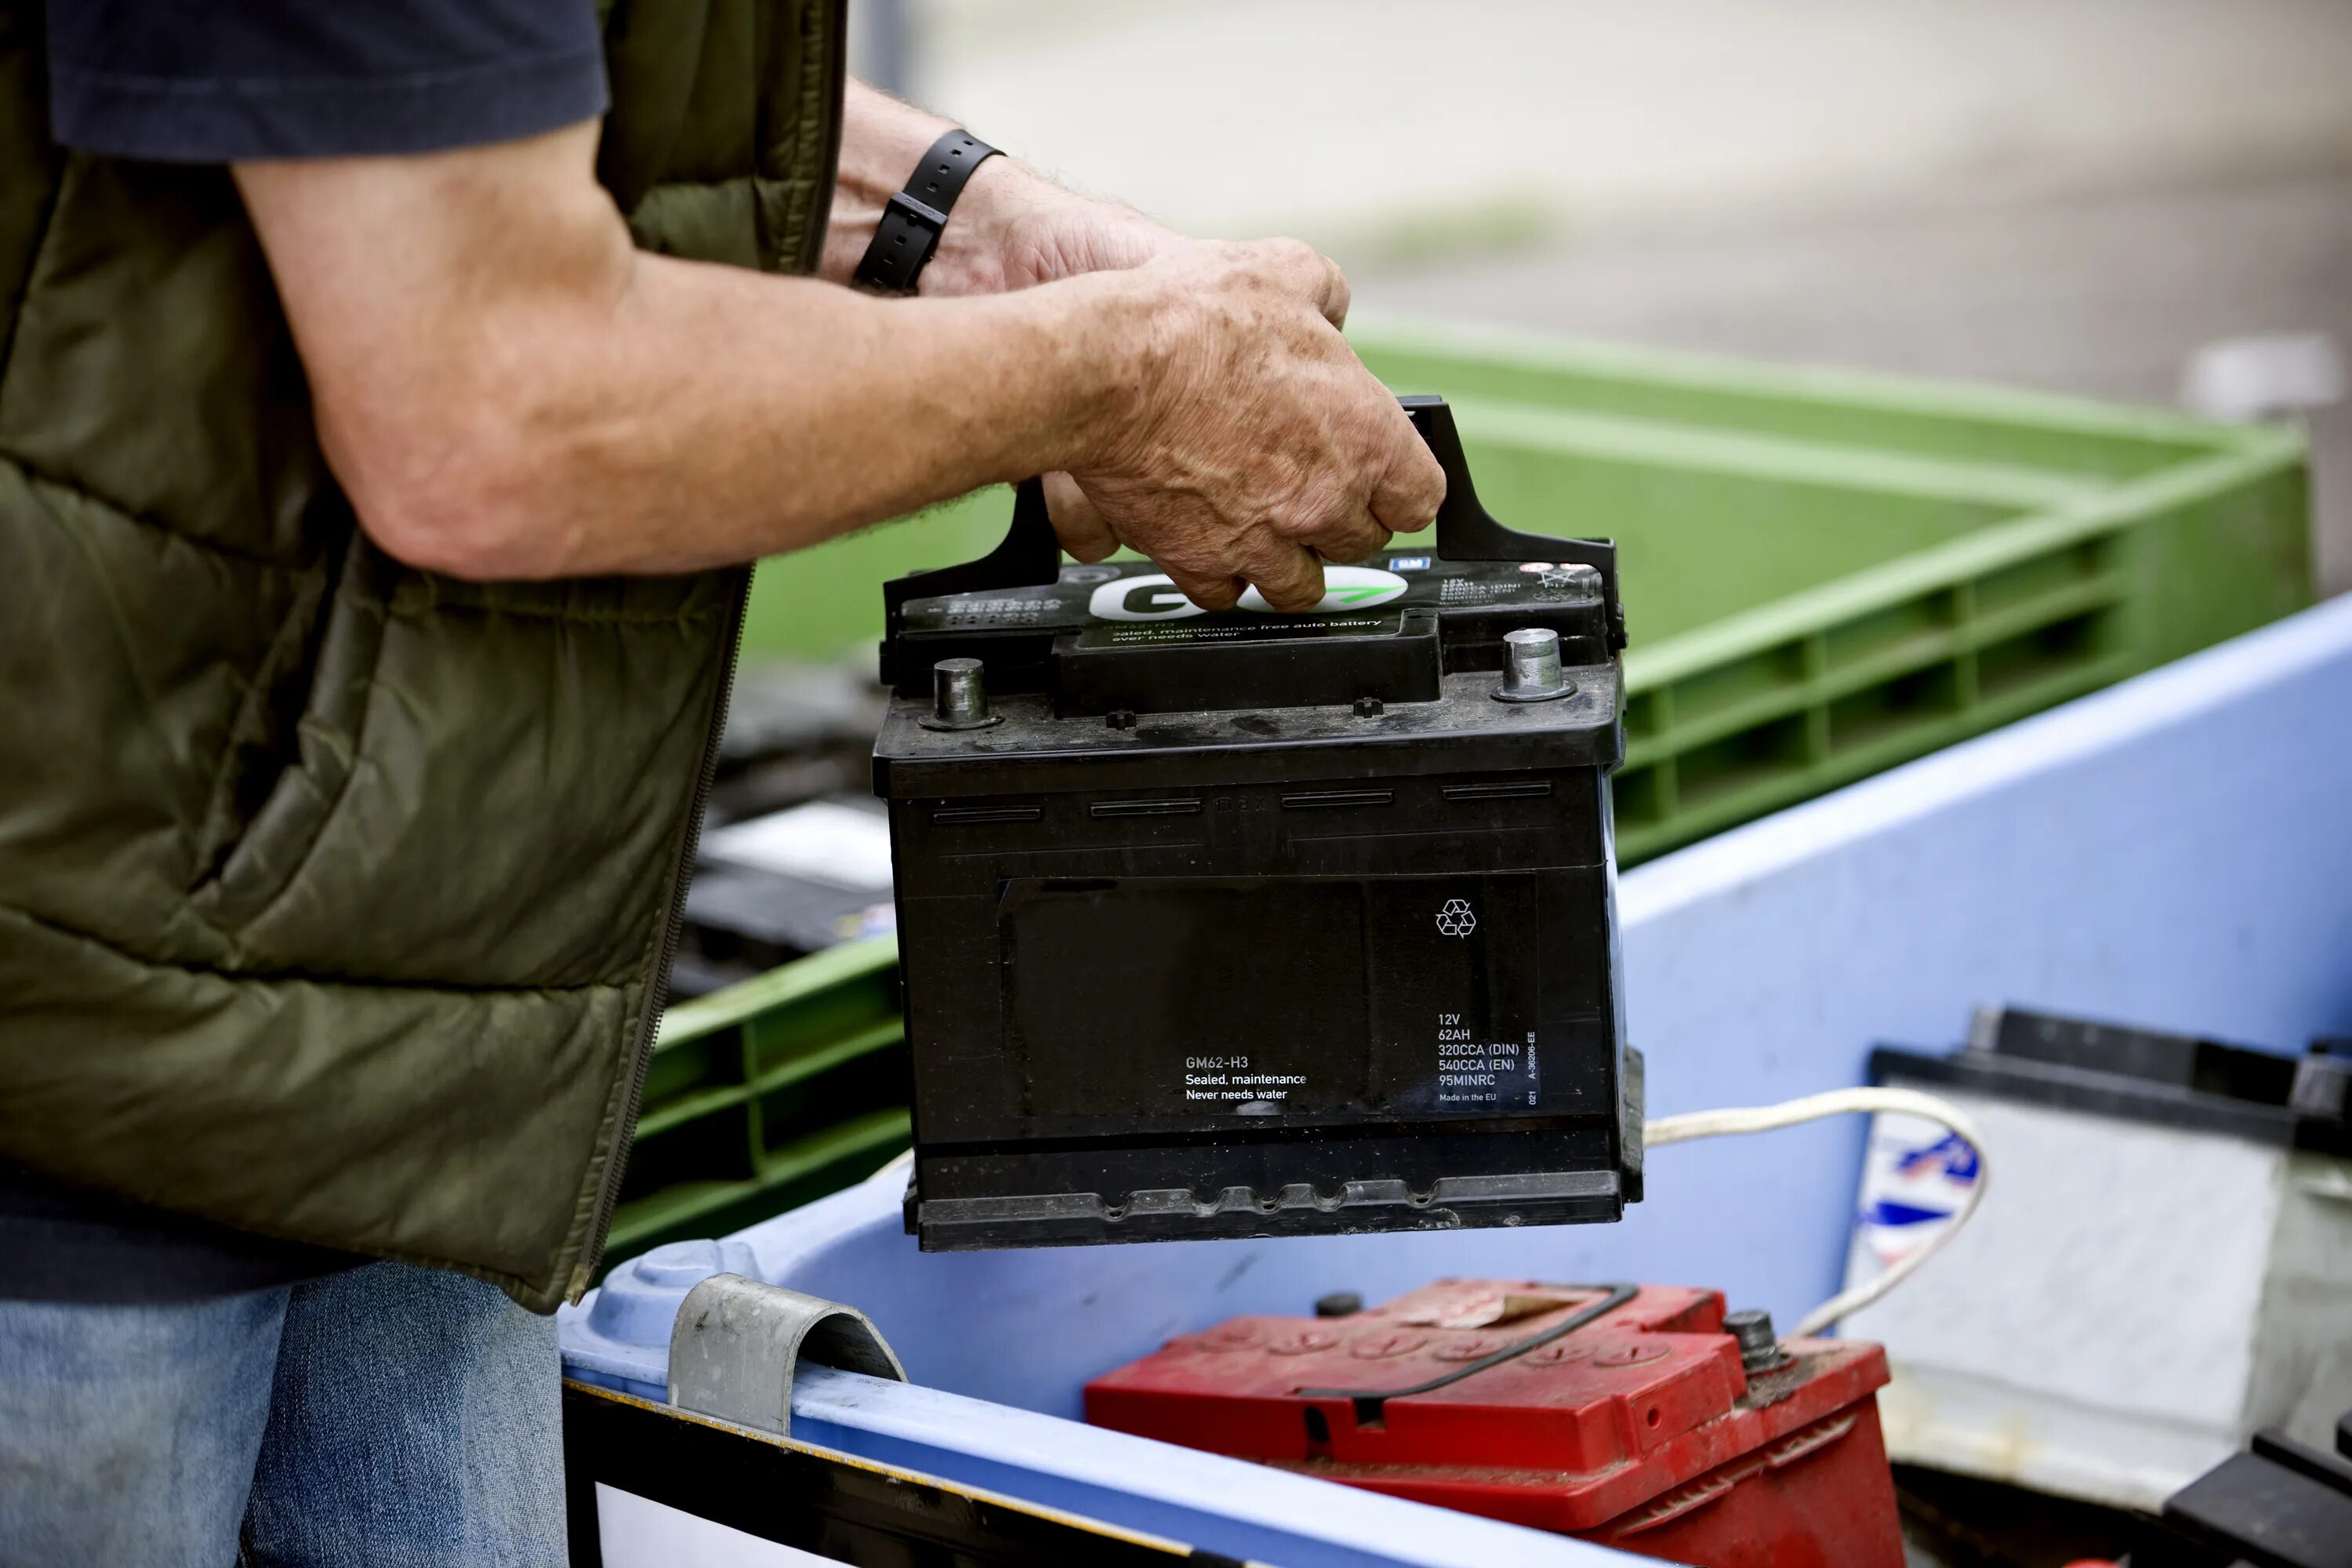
x=1313, y=274
x=1327, y=285
x=1077, y=521
x=1209, y=591
x=1336, y=294
x=1288, y=576
x=1349, y=536
x=1410, y=489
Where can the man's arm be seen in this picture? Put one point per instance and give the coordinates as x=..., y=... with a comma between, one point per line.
x=509, y=388
x=1012, y=227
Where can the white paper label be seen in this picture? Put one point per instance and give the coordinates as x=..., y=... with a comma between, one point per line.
x=641, y=1533
x=839, y=845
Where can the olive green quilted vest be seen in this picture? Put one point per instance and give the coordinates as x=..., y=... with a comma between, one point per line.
x=336, y=899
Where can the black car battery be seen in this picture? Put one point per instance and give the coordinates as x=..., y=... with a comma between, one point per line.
x=1253, y=924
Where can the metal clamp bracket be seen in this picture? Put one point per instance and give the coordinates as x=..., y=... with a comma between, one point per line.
x=737, y=1345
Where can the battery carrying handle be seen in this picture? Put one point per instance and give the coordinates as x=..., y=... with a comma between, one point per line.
x=1467, y=531
x=1030, y=555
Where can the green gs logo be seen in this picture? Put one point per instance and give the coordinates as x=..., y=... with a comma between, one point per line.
x=1154, y=597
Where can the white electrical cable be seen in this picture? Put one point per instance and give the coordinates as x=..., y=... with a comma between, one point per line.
x=1842, y=1102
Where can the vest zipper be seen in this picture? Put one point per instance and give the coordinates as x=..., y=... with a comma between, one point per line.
x=617, y=1158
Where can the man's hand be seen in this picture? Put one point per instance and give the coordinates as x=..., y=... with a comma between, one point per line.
x=1267, y=510
x=1262, y=447
x=1270, y=486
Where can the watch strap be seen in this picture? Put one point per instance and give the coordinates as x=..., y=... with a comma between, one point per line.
x=913, y=219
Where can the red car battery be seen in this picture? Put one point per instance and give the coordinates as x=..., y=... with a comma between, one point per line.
x=1641, y=1418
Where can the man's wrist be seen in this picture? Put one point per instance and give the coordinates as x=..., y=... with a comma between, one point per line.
x=1011, y=227
x=971, y=257
x=883, y=144
x=978, y=242
x=882, y=141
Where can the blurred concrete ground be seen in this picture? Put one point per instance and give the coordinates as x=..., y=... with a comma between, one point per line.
x=2067, y=193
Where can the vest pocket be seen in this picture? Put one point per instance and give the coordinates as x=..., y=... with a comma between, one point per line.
x=493, y=784
x=258, y=863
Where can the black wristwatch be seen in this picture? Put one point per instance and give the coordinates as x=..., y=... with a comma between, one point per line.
x=911, y=222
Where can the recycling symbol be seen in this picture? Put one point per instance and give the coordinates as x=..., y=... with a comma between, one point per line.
x=1455, y=918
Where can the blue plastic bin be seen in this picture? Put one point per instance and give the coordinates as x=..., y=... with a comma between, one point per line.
x=2176, y=850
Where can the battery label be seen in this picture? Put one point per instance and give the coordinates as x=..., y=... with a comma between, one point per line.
x=1230, y=1082
x=1393, y=998
x=1160, y=634
x=1119, y=603
x=1481, y=1072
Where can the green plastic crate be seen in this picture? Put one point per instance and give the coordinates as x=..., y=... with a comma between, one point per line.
x=1825, y=573
x=765, y=1095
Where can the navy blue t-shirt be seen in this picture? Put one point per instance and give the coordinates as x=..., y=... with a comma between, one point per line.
x=214, y=81
x=210, y=81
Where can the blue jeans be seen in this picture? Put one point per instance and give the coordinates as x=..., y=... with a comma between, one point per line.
x=386, y=1416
